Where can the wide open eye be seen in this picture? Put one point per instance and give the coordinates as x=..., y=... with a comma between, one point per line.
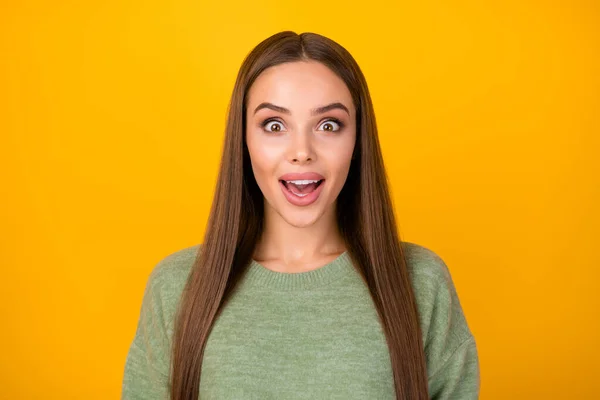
x=331, y=125
x=273, y=126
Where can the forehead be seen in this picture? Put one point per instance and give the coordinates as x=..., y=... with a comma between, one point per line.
x=299, y=86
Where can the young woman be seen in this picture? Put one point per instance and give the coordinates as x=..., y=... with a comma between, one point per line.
x=302, y=288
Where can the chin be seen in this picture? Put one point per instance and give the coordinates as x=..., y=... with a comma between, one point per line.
x=300, y=218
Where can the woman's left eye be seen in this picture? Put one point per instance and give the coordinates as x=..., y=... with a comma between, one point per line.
x=331, y=125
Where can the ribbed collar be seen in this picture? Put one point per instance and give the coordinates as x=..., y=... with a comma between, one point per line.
x=258, y=275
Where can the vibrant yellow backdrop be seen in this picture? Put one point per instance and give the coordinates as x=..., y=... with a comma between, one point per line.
x=111, y=125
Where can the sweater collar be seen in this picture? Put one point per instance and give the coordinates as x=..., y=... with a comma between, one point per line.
x=258, y=275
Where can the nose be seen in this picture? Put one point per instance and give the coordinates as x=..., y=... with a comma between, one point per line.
x=301, y=148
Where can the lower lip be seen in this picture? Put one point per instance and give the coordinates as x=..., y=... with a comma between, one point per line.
x=301, y=201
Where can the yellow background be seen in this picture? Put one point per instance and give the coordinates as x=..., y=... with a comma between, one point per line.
x=111, y=124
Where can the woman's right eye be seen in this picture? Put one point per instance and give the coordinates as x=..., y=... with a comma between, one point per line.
x=273, y=126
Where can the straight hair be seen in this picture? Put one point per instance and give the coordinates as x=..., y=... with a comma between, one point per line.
x=364, y=215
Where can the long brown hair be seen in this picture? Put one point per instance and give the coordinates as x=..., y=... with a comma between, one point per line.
x=364, y=214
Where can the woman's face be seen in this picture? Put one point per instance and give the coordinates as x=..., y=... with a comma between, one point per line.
x=300, y=120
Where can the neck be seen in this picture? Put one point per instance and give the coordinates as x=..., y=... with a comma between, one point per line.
x=289, y=244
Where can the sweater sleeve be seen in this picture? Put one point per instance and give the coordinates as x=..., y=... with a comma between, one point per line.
x=146, y=374
x=449, y=345
x=458, y=376
x=453, y=366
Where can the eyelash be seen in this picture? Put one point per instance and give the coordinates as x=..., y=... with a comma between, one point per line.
x=337, y=121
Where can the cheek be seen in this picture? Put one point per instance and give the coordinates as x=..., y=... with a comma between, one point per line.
x=339, y=162
x=342, y=157
x=263, y=159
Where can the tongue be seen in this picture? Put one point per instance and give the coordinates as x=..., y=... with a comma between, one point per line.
x=302, y=189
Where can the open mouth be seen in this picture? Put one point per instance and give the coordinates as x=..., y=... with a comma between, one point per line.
x=302, y=188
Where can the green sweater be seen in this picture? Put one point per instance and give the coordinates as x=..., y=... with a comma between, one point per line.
x=307, y=335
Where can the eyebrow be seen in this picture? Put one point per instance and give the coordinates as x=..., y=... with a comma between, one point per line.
x=314, y=111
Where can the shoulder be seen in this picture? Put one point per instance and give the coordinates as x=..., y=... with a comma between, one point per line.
x=426, y=268
x=175, y=265
x=169, y=276
x=439, y=307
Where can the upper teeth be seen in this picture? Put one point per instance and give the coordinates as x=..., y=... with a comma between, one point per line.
x=303, y=182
